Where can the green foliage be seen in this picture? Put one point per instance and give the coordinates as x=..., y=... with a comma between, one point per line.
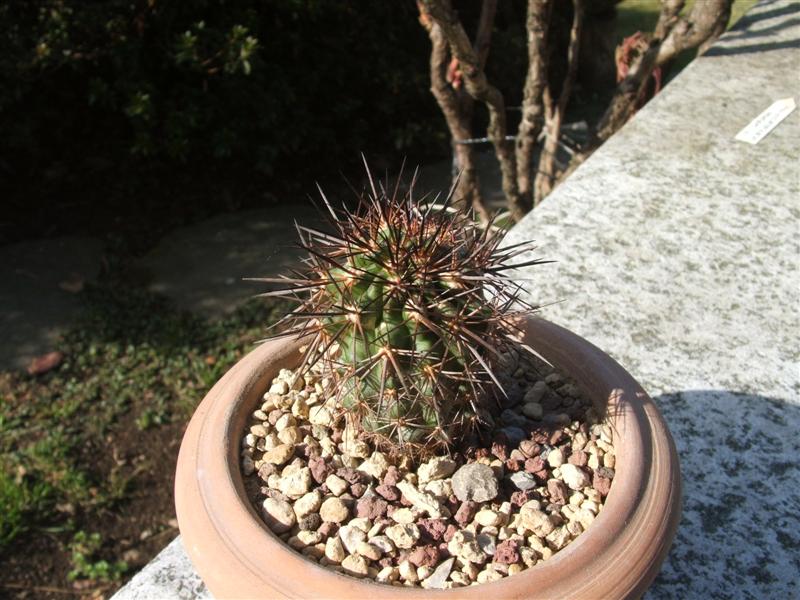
x=406, y=308
x=123, y=94
x=85, y=565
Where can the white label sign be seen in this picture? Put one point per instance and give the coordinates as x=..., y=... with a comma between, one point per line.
x=766, y=121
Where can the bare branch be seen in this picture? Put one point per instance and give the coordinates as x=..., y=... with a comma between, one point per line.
x=530, y=126
x=477, y=85
x=673, y=34
x=467, y=192
x=545, y=178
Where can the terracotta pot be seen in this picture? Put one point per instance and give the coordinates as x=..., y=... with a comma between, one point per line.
x=617, y=557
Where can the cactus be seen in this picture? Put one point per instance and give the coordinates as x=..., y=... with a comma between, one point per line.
x=406, y=306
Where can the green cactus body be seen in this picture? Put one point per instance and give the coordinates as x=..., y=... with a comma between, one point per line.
x=396, y=298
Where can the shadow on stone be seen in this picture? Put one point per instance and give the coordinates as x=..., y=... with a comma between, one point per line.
x=740, y=532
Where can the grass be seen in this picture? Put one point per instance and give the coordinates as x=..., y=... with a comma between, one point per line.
x=133, y=363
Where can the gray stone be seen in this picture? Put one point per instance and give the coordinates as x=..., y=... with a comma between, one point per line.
x=437, y=579
x=475, y=482
x=523, y=480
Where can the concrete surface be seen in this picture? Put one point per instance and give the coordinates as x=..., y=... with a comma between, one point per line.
x=36, y=305
x=678, y=252
x=202, y=267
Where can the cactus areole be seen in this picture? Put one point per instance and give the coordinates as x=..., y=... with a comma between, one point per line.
x=407, y=306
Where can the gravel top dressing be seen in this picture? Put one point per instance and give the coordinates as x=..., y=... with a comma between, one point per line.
x=493, y=508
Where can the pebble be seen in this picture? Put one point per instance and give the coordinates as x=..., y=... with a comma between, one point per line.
x=278, y=515
x=296, y=482
x=575, y=477
x=533, y=410
x=383, y=543
x=355, y=565
x=351, y=537
x=437, y=579
x=536, y=521
x=535, y=393
x=279, y=387
x=334, y=510
x=475, y=482
x=375, y=465
x=279, y=454
x=514, y=434
x=427, y=556
x=488, y=575
x=336, y=485
x=487, y=543
x=404, y=516
x=436, y=468
x=488, y=518
x=420, y=500
x=558, y=538
x=555, y=458
x=387, y=575
x=557, y=490
x=308, y=503
x=309, y=522
x=509, y=417
x=371, y=507
x=507, y=552
x=403, y=535
x=408, y=572
x=441, y=488
x=319, y=415
x=369, y=551
x=523, y=480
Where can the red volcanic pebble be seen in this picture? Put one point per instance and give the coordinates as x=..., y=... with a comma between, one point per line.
x=426, y=556
x=529, y=448
x=500, y=450
x=520, y=497
x=319, y=469
x=579, y=458
x=450, y=532
x=392, y=476
x=465, y=513
x=371, y=507
x=535, y=464
x=507, y=552
x=557, y=490
x=432, y=529
x=512, y=465
x=390, y=492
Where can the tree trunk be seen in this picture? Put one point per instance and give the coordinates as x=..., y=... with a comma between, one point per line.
x=535, y=81
x=545, y=178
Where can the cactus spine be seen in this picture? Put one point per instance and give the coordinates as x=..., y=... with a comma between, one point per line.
x=407, y=306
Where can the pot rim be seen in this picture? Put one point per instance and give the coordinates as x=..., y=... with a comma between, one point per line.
x=617, y=556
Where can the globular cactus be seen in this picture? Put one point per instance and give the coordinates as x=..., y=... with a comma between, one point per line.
x=407, y=307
